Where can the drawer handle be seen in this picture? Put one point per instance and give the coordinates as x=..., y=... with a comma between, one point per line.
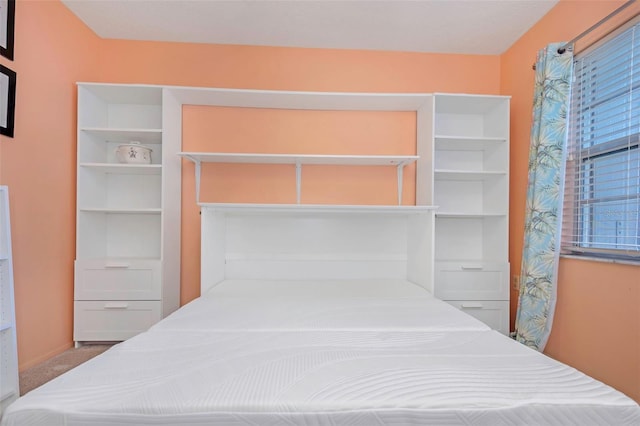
x=471, y=268
x=116, y=265
x=116, y=305
x=472, y=306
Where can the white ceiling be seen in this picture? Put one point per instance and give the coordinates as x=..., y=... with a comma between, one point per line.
x=484, y=27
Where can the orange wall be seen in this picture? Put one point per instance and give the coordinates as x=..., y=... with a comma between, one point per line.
x=253, y=67
x=52, y=51
x=215, y=129
x=597, y=322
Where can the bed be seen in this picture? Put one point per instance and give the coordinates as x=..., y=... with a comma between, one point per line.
x=311, y=348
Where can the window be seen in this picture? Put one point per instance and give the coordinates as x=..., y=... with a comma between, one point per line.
x=602, y=189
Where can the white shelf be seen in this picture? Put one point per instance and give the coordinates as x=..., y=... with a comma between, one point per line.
x=124, y=210
x=316, y=208
x=328, y=101
x=108, y=259
x=114, y=93
x=126, y=135
x=466, y=104
x=466, y=143
x=298, y=160
x=138, y=169
x=471, y=184
x=121, y=211
x=339, y=160
x=466, y=175
x=454, y=215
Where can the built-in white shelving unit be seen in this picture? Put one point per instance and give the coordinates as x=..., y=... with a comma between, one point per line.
x=470, y=149
x=402, y=236
x=127, y=260
x=129, y=214
x=462, y=167
x=9, y=385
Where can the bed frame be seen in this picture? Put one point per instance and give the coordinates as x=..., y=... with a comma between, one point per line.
x=295, y=242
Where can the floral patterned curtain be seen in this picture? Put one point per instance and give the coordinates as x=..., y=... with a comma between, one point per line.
x=538, y=276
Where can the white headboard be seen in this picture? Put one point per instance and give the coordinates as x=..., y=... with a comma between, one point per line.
x=286, y=242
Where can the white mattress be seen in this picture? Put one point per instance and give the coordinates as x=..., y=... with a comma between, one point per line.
x=179, y=373
x=251, y=305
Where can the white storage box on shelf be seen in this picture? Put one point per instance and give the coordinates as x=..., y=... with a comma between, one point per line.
x=133, y=153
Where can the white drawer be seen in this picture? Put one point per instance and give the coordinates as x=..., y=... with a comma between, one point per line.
x=472, y=281
x=113, y=320
x=494, y=313
x=123, y=279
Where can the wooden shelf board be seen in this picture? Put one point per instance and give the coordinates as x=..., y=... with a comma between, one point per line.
x=454, y=215
x=119, y=258
x=282, y=99
x=461, y=103
x=121, y=211
x=464, y=143
x=134, y=94
x=317, y=208
x=138, y=169
x=126, y=135
x=351, y=160
x=440, y=174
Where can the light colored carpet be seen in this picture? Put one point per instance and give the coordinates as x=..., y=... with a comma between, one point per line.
x=53, y=367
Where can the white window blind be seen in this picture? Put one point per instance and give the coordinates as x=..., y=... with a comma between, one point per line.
x=602, y=189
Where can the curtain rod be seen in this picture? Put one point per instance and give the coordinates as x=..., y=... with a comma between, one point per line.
x=563, y=48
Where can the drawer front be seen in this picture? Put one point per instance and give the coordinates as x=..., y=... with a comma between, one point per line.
x=494, y=313
x=113, y=320
x=472, y=281
x=129, y=279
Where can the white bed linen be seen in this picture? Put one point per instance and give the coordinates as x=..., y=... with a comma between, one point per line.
x=178, y=374
x=252, y=305
x=317, y=377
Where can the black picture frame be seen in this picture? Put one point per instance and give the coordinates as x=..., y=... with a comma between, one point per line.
x=7, y=27
x=7, y=100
